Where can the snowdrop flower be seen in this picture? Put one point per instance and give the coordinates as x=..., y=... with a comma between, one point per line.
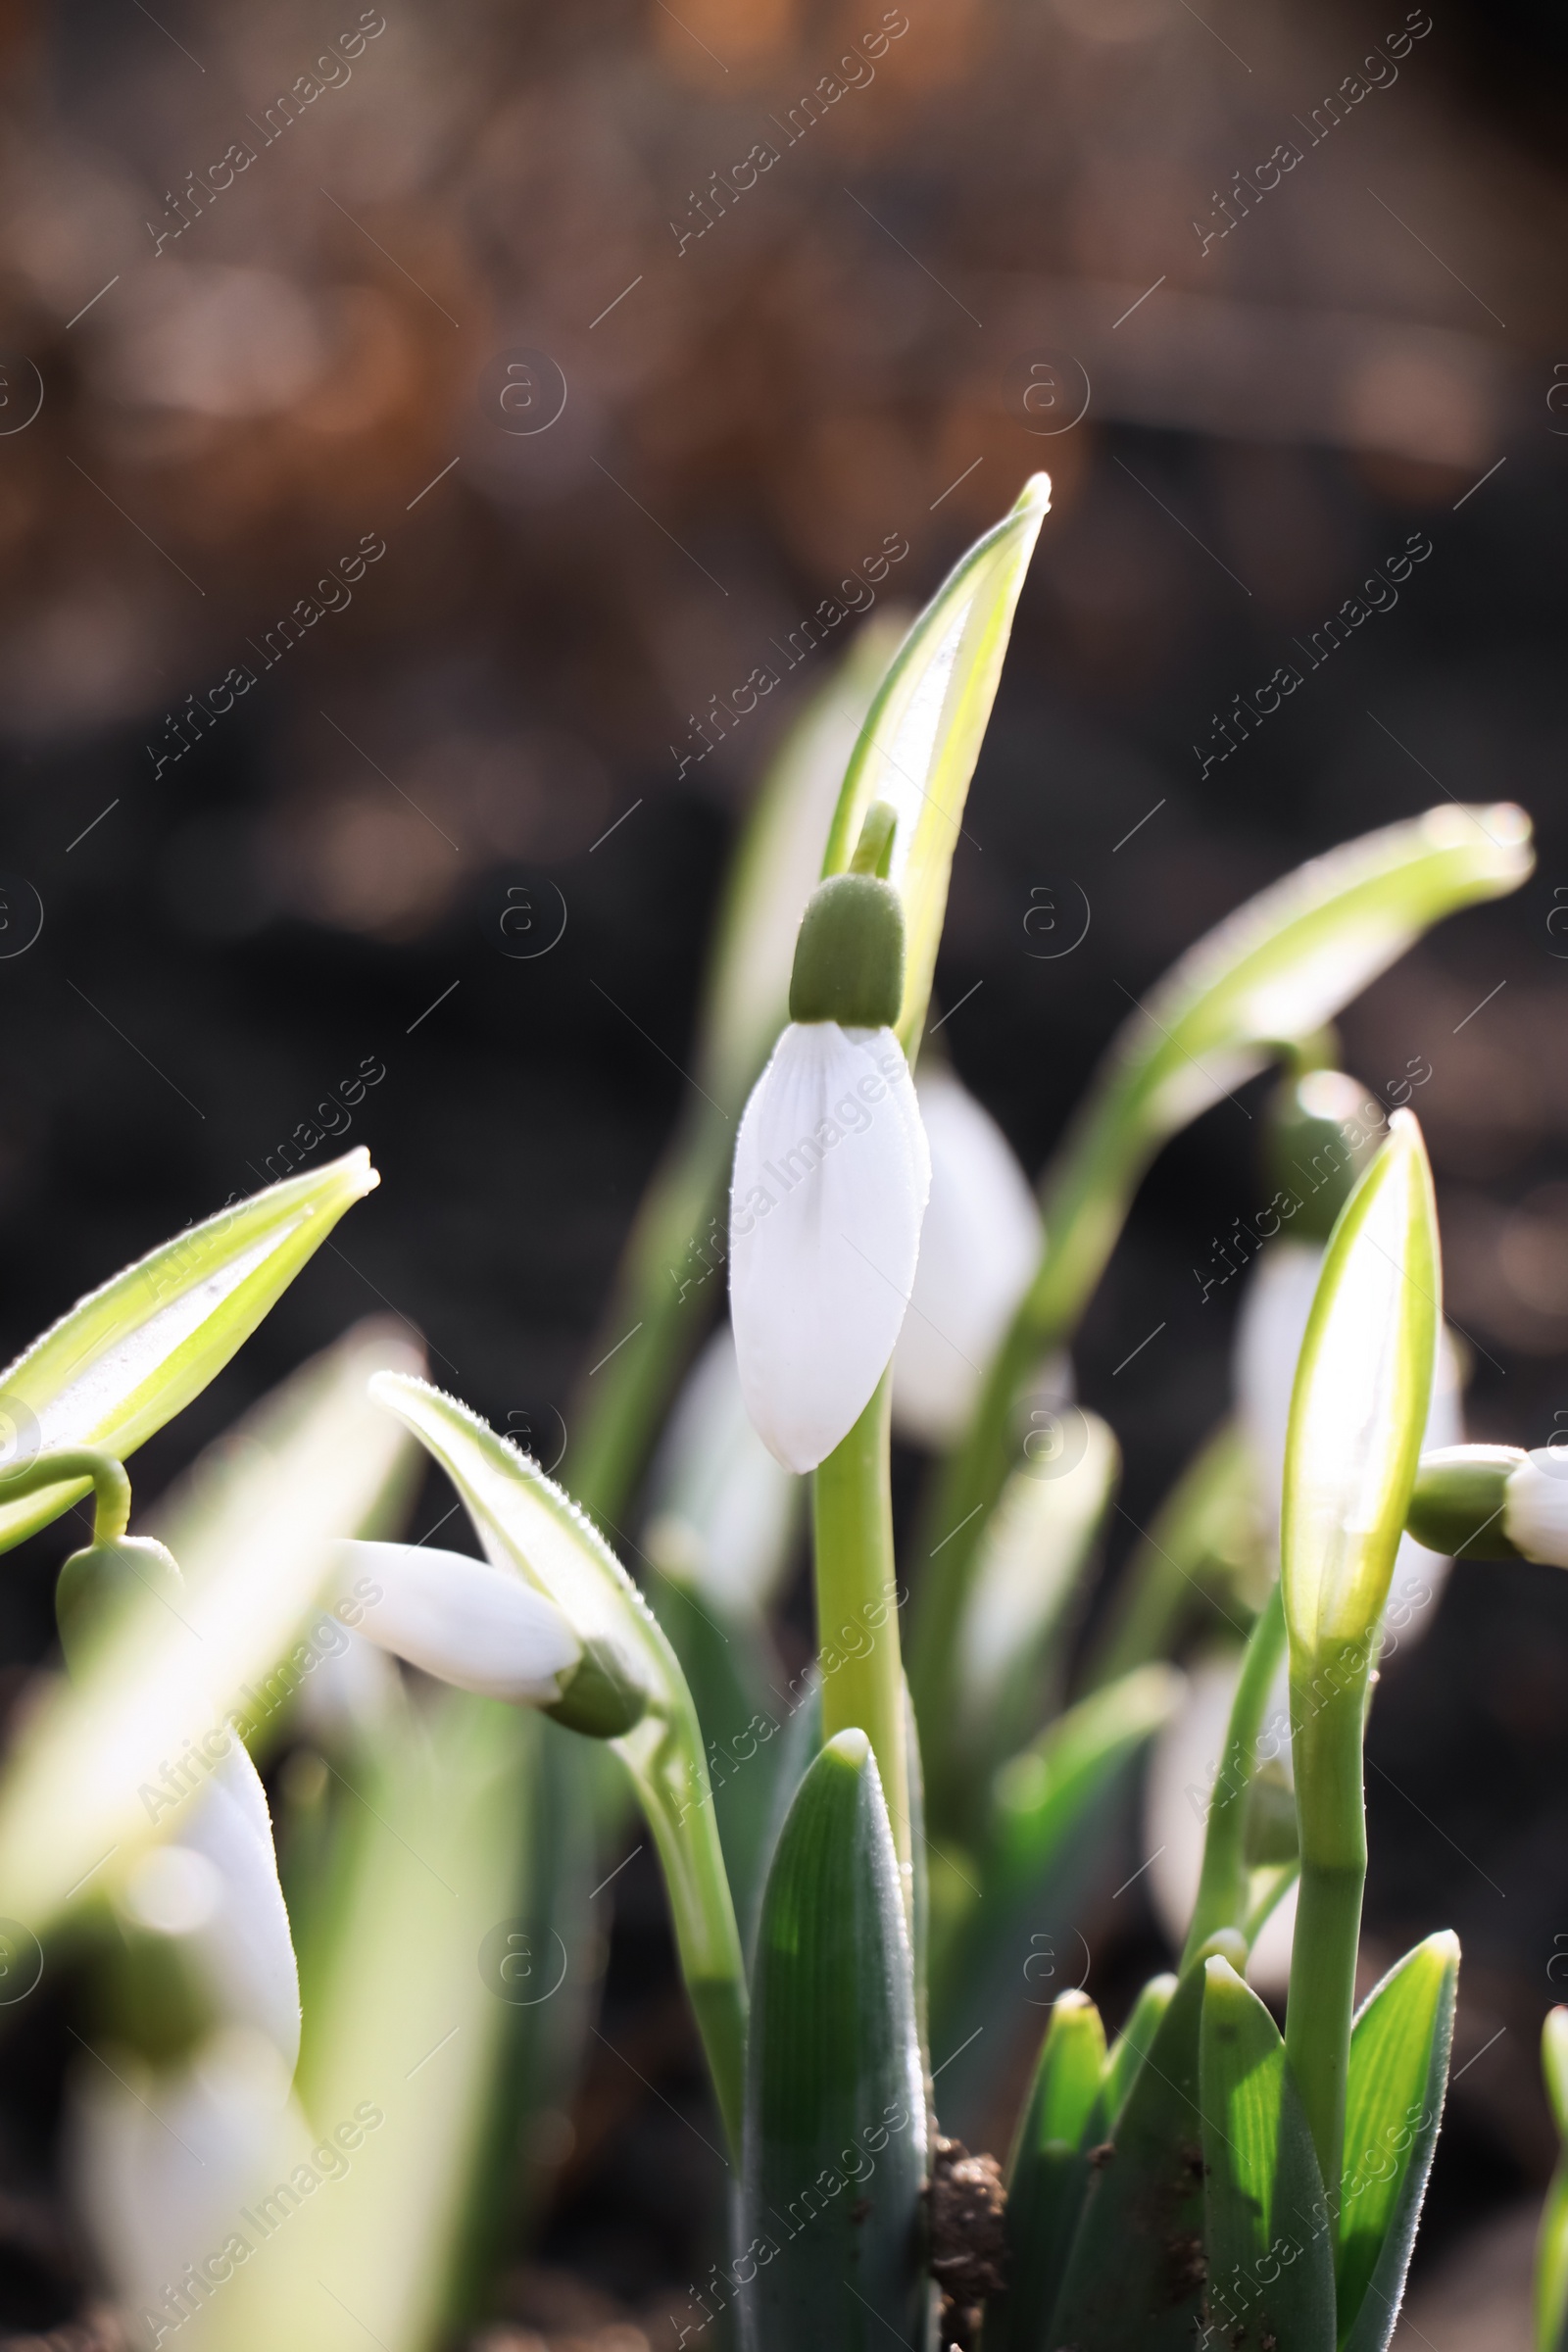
x=163, y=2144
x=1494, y=1502
x=164, y=2159
x=831, y=1175
x=723, y=1509
x=480, y=1626
x=212, y=1892
x=979, y=1246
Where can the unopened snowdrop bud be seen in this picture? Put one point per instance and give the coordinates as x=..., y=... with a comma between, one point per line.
x=483, y=1629
x=205, y=1914
x=979, y=1246
x=1493, y=1502
x=831, y=1174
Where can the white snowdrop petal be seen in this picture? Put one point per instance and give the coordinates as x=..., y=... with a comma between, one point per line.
x=1534, y=1509
x=160, y=2163
x=831, y=1178
x=979, y=1248
x=244, y=1949
x=464, y=1620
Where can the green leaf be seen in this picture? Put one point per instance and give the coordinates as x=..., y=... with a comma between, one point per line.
x=129, y=1356
x=1399, y=2074
x=1267, y=2230
x=1363, y=1386
x=731, y=1670
x=835, y=2152
x=1274, y=971
x=526, y=1523
x=1552, y=2246
x=1048, y=2175
x=923, y=736
x=776, y=867
x=1127, y=2053
x=86, y=1787
x=1048, y=1837
x=1135, y=2278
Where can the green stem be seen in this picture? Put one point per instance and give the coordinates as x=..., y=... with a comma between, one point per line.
x=857, y=1608
x=1224, y=1886
x=1328, y=1717
x=84, y=1465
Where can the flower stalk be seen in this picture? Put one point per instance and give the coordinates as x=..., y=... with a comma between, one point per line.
x=856, y=1608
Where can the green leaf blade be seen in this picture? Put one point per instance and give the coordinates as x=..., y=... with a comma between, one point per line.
x=923, y=736
x=1399, y=2074
x=1363, y=1389
x=131, y=1354
x=86, y=1787
x=835, y=2144
x=531, y=1526
x=1267, y=2231
x=1135, y=2278
x=1049, y=2177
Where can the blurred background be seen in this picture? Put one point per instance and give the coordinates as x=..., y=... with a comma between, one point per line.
x=419, y=424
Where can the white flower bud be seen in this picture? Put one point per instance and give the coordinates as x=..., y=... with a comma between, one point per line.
x=979, y=1247
x=464, y=1620
x=831, y=1177
x=1535, y=1508
x=216, y=1892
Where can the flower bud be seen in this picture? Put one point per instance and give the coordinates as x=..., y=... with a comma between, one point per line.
x=208, y=1933
x=1465, y=1502
x=830, y=1185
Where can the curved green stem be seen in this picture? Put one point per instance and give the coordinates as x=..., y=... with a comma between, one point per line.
x=74, y=1465
x=858, y=1610
x=1224, y=1888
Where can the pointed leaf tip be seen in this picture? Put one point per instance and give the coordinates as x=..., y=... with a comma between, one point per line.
x=850, y=1748
x=131, y=1354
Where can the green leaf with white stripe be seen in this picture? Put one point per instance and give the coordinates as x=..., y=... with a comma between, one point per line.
x=129, y=1356
x=531, y=1526
x=923, y=736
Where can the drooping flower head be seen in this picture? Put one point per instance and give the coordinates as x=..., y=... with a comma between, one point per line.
x=831, y=1173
